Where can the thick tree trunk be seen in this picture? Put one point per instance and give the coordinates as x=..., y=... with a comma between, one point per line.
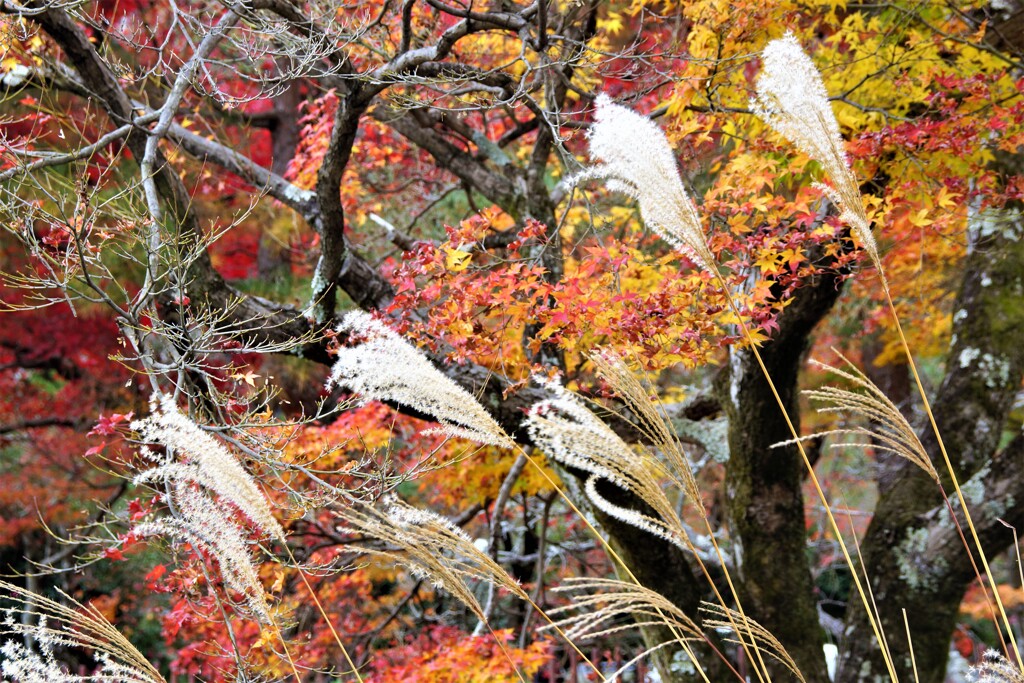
x=763, y=484
x=913, y=553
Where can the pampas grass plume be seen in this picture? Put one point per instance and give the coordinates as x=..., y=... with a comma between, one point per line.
x=792, y=100
x=385, y=367
x=637, y=160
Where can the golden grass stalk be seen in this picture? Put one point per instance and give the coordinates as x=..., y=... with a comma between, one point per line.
x=651, y=424
x=647, y=130
x=859, y=584
x=889, y=430
x=432, y=548
x=792, y=99
x=606, y=607
x=323, y=614
x=659, y=431
x=952, y=476
x=910, y=645
x=600, y=607
x=436, y=550
x=70, y=625
x=723, y=617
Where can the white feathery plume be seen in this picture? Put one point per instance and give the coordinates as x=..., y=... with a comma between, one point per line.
x=21, y=664
x=207, y=462
x=995, y=668
x=208, y=526
x=385, y=367
x=638, y=161
x=564, y=429
x=791, y=99
x=567, y=431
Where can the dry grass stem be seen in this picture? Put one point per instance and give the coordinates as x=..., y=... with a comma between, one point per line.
x=71, y=625
x=889, y=431
x=606, y=607
x=654, y=426
x=385, y=367
x=722, y=617
x=432, y=548
x=658, y=430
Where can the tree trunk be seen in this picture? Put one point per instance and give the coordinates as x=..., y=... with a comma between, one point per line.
x=914, y=555
x=763, y=484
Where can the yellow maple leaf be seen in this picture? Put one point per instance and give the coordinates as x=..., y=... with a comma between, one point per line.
x=612, y=23
x=249, y=377
x=920, y=218
x=946, y=199
x=768, y=262
x=456, y=260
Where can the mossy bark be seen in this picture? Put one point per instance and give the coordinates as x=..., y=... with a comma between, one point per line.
x=913, y=551
x=763, y=484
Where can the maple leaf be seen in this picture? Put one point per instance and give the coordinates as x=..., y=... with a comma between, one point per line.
x=114, y=554
x=106, y=426
x=456, y=260
x=95, y=450
x=769, y=262
x=154, y=575
x=249, y=377
x=792, y=257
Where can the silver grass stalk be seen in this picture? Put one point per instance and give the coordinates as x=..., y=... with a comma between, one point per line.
x=565, y=430
x=432, y=548
x=600, y=608
x=206, y=461
x=792, y=100
x=66, y=625
x=888, y=430
x=637, y=160
x=208, y=526
x=722, y=617
x=385, y=367
x=612, y=368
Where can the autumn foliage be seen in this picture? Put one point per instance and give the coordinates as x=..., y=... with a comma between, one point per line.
x=196, y=198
